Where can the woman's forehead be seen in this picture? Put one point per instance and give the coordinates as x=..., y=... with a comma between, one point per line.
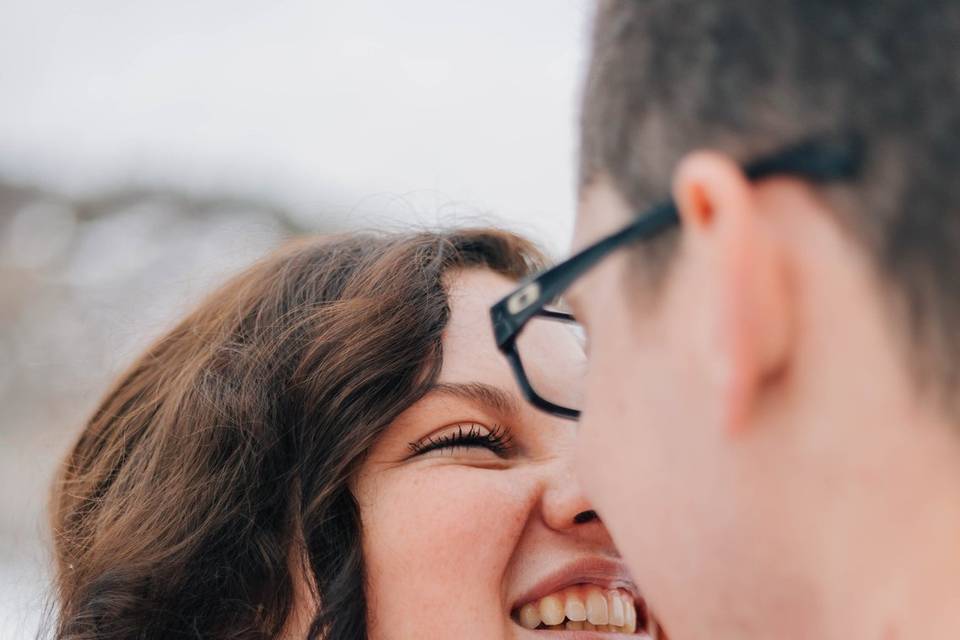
x=469, y=350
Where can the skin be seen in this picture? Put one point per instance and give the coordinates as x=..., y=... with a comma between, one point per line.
x=751, y=434
x=453, y=537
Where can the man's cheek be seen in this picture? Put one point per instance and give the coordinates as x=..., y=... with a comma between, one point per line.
x=587, y=458
x=599, y=430
x=596, y=441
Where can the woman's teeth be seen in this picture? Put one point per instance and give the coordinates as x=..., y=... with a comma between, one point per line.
x=582, y=607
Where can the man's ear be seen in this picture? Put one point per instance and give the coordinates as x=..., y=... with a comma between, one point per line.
x=739, y=265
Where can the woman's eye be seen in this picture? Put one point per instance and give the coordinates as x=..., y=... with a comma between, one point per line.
x=466, y=436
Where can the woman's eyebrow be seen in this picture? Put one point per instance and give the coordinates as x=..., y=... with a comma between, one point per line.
x=485, y=395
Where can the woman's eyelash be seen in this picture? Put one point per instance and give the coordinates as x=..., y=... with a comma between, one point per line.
x=497, y=440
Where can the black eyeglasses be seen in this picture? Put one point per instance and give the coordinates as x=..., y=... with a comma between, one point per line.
x=525, y=322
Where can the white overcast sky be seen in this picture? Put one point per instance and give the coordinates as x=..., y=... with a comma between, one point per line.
x=399, y=109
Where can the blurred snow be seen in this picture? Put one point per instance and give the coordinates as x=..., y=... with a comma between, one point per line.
x=39, y=231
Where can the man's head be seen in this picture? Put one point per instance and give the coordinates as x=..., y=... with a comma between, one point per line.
x=767, y=375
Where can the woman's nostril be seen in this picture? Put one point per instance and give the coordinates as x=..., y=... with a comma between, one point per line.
x=586, y=516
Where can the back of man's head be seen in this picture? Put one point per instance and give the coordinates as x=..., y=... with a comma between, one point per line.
x=770, y=423
x=749, y=76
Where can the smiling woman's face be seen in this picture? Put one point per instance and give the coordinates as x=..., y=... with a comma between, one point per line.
x=473, y=523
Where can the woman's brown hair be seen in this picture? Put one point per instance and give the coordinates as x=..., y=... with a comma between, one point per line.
x=228, y=447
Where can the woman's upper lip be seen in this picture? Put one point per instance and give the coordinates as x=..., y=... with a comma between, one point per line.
x=603, y=572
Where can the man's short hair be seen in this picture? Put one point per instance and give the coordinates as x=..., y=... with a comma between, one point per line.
x=749, y=76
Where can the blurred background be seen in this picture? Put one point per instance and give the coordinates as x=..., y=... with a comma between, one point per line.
x=148, y=149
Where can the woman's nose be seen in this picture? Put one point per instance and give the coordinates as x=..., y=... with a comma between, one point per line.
x=565, y=506
x=585, y=516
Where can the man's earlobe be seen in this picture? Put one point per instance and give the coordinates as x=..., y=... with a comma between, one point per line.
x=740, y=266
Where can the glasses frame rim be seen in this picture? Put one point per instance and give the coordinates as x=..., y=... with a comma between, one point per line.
x=819, y=159
x=516, y=364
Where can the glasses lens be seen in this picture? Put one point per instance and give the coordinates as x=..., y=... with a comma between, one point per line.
x=553, y=353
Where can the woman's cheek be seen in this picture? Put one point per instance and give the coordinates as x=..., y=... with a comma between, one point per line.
x=444, y=510
x=432, y=531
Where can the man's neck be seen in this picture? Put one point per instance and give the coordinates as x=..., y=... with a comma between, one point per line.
x=894, y=569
